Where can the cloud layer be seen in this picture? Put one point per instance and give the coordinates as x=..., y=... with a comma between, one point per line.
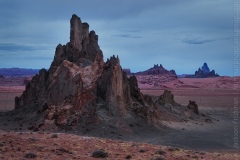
x=181, y=35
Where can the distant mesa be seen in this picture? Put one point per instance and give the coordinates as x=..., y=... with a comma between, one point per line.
x=203, y=72
x=127, y=71
x=13, y=72
x=1, y=76
x=155, y=70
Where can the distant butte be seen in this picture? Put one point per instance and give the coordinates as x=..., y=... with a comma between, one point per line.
x=203, y=72
x=155, y=70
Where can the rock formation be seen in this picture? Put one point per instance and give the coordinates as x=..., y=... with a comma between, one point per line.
x=80, y=87
x=205, y=68
x=80, y=91
x=158, y=70
x=127, y=71
x=203, y=73
x=193, y=106
x=167, y=98
x=173, y=110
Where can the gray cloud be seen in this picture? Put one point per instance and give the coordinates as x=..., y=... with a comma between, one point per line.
x=198, y=41
x=201, y=40
x=133, y=30
x=11, y=47
x=139, y=30
x=126, y=36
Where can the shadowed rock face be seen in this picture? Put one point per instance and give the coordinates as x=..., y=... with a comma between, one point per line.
x=193, y=106
x=167, y=98
x=80, y=87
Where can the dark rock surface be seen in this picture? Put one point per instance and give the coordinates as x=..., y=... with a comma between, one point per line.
x=193, y=106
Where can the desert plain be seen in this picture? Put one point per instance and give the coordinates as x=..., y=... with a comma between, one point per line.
x=197, y=139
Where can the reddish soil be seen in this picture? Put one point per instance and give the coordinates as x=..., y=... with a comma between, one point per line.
x=214, y=97
x=217, y=92
x=20, y=145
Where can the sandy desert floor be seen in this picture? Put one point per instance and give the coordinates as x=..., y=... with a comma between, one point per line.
x=193, y=139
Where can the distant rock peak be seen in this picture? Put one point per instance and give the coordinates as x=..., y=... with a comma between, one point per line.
x=203, y=72
x=205, y=68
x=157, y=66
x=158, y=70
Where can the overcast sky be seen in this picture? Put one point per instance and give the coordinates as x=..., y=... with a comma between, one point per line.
x=180, y=35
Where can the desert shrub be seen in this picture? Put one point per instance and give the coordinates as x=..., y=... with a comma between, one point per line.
x=173, y=149
x=64, y=150
x=30, y=155
x=54, y=136
x=128, y=157
x=142, y=150
x=99, y=154
x=161, y=152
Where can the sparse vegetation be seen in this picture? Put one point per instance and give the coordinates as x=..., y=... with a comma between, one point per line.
x=142, y=150
x=85, y=146
x=64, y=150
x=30, y=155
x=99, y=154
x=173, y=149
x=161, y=152
x=128, y=156
x=159, y=158
x=54, y=136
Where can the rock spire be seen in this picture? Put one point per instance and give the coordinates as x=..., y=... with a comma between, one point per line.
x=80, y=88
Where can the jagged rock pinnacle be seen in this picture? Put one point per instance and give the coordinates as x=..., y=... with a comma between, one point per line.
x=203, y=72
x=205, y=68
x=76, y=32
x=78, y=81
